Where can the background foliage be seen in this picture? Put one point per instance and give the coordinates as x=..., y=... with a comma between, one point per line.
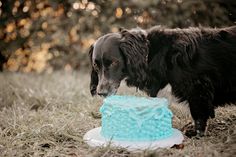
x=48, y=35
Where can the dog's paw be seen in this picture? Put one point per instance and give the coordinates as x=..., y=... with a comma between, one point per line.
x=190, y=131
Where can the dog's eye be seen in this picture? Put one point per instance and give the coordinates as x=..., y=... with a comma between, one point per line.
x=114, y=63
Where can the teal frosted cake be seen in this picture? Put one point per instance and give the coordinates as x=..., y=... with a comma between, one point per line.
x=133, y=118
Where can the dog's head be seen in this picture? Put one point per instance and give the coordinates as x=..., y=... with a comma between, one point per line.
x=116, y=56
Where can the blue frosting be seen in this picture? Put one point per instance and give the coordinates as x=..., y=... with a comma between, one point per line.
x=135, y=118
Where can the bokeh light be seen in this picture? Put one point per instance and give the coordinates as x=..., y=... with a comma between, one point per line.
x=69, y=28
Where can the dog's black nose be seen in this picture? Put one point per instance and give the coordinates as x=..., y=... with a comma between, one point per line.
x=103, y=94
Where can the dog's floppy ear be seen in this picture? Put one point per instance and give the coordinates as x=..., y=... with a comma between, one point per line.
x=134, y=47
x=94, y=75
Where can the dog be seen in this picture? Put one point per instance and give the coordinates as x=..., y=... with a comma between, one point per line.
x=199, y=64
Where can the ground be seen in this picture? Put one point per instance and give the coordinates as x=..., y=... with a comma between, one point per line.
x=48, y=114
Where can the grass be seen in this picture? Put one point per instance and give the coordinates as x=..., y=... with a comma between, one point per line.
x=48, y=114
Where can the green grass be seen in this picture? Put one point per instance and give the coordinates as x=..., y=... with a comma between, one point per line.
x=48, y=114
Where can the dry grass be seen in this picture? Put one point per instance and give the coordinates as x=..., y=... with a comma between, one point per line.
x=47, y=115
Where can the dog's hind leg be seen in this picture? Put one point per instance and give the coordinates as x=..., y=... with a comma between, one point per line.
x=200, y=95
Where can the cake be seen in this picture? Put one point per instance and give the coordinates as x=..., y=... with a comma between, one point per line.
x=133, y=118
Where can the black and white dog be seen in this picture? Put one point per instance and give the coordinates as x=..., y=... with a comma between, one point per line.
x=198, y=63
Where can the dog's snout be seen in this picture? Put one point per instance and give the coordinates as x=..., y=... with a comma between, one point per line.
x=103, y=94
x=107, y=87
x=103, y=88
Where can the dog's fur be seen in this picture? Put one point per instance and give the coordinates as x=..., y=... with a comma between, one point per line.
x=198, y=63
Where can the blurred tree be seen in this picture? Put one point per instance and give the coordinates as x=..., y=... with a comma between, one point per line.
x=46, y=35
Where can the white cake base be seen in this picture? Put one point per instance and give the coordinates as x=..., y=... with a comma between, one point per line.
x=94, y=139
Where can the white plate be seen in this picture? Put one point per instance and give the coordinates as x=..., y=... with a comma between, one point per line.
x=94, y=139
